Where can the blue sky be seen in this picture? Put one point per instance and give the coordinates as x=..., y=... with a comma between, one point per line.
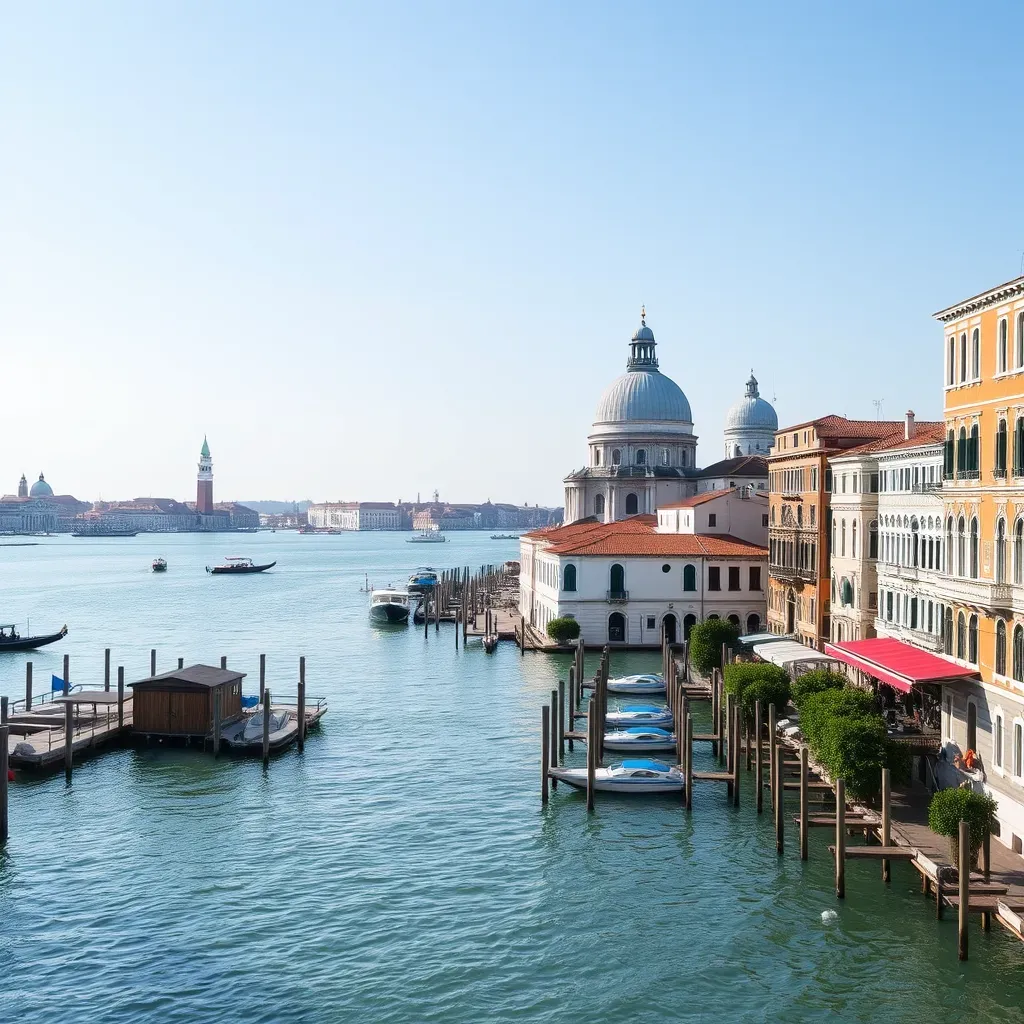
x=376, y=250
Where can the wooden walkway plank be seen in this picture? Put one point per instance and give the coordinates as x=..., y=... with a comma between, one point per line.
x=877, y=852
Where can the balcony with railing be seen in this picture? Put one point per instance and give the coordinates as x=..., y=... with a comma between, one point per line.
x=618, y=596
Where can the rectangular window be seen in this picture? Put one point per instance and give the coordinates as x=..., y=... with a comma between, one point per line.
x=1018, y=748
x=872, y=600
x=764, y=520
x=651, y=622
x=888, y=606
x=814, y=478
x=755, y=578
x=734, y=577
x=714, y=578
x=997, y=741
x=712, y=519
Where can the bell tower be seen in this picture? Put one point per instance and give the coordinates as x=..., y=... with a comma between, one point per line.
x=204, y=482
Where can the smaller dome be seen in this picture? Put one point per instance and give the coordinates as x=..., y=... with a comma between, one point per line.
x=41, y=489
x=752, y=411
x=643, y=333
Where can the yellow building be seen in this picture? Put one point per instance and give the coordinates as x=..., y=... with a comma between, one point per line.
x=800, y=486
x=983, y=499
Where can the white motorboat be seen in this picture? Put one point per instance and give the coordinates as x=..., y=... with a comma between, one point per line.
x=641, y=775
x=648, y=683
x=389, y=606
x=638, y=738
x=657, y=715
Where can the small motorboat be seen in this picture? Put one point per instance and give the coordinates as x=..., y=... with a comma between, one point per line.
x=11, y=640
x=640, y=738
x=389, y=606
x=658, y=715
x=641, y=775
x=422, y=580
x=159, y=565
x=491, y=643
x=648, y=683
x=427, y=537
x=237, y=564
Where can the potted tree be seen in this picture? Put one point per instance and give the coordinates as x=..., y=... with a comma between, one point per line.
x=950, y=806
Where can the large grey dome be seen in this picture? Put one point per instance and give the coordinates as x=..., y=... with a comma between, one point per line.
x=41, y=489
x=640, y=395
x=752, y=411
x=643, y=393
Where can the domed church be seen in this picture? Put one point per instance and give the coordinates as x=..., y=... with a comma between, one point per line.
x=642, y=451
x=750, y=425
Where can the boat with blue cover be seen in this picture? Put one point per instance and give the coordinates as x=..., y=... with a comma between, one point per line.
x=658, y=715
x=423, y=580
x=634, y=776
x=647, y=683
x=639, y=738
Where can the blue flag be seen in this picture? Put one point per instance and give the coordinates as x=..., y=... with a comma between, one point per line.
x=56, y=683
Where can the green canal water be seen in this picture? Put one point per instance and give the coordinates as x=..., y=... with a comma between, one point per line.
x=402, y=868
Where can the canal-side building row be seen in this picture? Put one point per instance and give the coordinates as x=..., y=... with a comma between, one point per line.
x=627, y=582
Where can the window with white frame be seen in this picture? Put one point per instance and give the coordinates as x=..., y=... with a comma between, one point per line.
x=997, y=739
x=1018, y=747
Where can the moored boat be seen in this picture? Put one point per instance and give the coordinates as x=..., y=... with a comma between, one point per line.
x=159, y=565
x=639, y=738
x=647, y=683
x=422, y=580
x=427, y=537
x=640, y=714
x=639, y=775
x=238, y=564
x=389, y=606
x=12, y=641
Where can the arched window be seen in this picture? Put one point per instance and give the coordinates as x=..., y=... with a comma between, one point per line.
x=947, y=632
x=616, y=456
x=799, y=515
x=961, y=636
x=1000, y=459
x=974, y=549
x=569, y=578
x=1018, y=447
x=631, y=504
x=963, y=358
x=773, y=515
x=598, y=504
x=617, y=580
x=1001, y=551
x=961, y=547
x=734, y=619
x=1018, y=551
x=949, y=568
x=976, y=354
x=972, y=640
x=853, y=540
x=1018, y=653
x=641, y=457
x=689, y=577
x=1001, y=348
x=689, y=622
x=1000, y=648
x=833, y=590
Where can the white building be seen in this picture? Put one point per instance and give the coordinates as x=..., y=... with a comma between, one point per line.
x=911, y=552
x=750, y=425
x=355, y=515
x=750, y=471
x=700, y=558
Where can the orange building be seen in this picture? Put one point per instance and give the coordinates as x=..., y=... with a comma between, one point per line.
x=800, y=484
x=983, y=499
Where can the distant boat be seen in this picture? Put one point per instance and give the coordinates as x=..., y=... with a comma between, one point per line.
x=100, y=530
x=504, y=536
x=237, y=564
x=427, y=537
x=12, y=642
x=389, y=606
x=159, y=565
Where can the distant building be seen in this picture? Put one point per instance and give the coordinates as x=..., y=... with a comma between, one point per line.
x=701, y=558
x=204, y=482
x=355, y=515
x=750, y=424
x=750, y=471
x=38, y=510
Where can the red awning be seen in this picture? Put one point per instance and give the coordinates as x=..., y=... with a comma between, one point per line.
x=897, y=663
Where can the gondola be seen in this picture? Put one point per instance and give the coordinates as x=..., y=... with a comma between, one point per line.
x=238, y=565
x=12, y=642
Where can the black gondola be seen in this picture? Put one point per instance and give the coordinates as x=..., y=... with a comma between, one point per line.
x=12, y=642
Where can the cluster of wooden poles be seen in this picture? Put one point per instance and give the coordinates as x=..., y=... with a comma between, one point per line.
x=460, y=596
x=69, y=731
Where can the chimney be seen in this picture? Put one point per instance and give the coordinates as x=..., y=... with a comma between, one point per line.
x=908, y=425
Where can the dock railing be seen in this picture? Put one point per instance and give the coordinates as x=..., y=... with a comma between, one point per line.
x=41, y=699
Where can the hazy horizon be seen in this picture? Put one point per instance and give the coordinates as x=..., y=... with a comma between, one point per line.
x=357, y=246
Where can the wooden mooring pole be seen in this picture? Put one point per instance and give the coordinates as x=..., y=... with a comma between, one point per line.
x=734, y=747
x=714, y=712
x=4, y=819
x=964, y=873
x=771, y=751
x=688, y=763
x=263, y=675
x=886, y=823
x=780, y=835
x=561, y=719
x=545, y=756
x=120, y=697
x=152, y=662
x=803, y=803
x=68, y=741
x=758, y=770
x=266, y=729
x=728, y=747
x=67, y=674
x=591, y=752
x=553, y=738
x=106, y=668
x=28, y=686
x=302, y=704
x=840, y=838
x=572, y=704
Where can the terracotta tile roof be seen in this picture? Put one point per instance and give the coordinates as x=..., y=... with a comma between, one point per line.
x=832, y=426
x=927, y=432
x=636, y=536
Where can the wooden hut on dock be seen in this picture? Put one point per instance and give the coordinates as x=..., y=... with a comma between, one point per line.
x=187, y=701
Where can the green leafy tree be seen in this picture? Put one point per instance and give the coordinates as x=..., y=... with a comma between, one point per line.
x=817, y=681
x=853, y=749
x=706, y=639
x=950, y=806
x=563, y=629
x=753, y=681
x=820, y=708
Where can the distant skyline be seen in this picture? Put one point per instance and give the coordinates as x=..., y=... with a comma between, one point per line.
x=372, y=250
